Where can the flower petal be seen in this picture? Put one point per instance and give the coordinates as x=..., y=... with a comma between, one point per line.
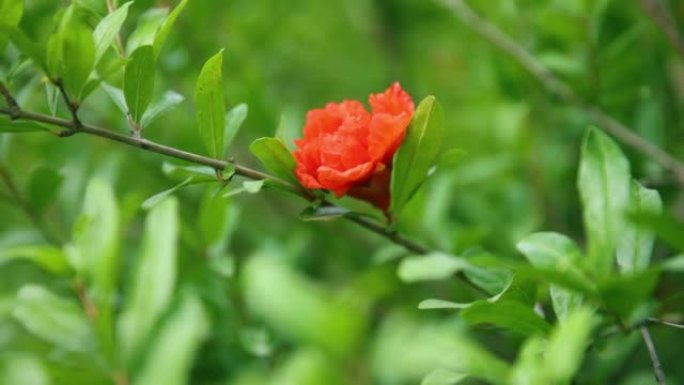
x=386, y=134
x=341, y=181
x=393, y=101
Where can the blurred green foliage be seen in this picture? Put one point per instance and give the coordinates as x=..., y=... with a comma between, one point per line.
x=205, y=289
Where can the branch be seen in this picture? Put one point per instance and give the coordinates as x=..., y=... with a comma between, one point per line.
x=656, y=11
x=665, y=323
x=217, y=164
x=559, y=89
x=657, y=368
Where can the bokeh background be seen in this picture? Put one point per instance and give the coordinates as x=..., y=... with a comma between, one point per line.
x=319, y=303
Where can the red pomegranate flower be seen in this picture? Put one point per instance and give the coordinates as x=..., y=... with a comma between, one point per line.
x=349, y=151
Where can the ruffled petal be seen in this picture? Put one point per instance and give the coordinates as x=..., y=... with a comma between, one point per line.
x=393, y=101
x=341, y=181
x=386, y=134
x=329, y=119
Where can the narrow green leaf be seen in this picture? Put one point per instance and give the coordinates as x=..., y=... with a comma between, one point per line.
x=117, y=96
x=323, y=213
x=156, y=198
x=253, y=186
x=567, y=344
x=511, y=315
x=139, y=81
x=52, y=95
x=49, y=258
x=199, y=174
x=417, y=153
x=108, y=28
x=94, y=253
x=163, y=106
x=166, y=26
x=17, y=126
x=443, y=377
x=275, y=157
x=10, y=15
x=43, y=186
x=431, y=267
x=234, y=119
x=216, y=221
x=636, y=243
x=148, y=25
x=604, y=185
x=172, y=353
x=154, y=277
x=211, y=109
x=76, y=52
x=666, y=227
x=53, y=319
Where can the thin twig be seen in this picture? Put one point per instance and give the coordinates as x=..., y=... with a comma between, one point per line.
x=10, y=101
x=220, y=165
x=657, y=368
x=657, y=12
x=71, y=105
x=559, y=89
x=665, y=323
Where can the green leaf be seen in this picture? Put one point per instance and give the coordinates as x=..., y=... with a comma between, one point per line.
x=234, y=119
x=211, y=108
x=666, y=227
x=567, y=344
x=558, y=252
x=604, y=185
x=199, y=174
x=117, y=96
x=249, y=186
x=27, y=46
x=154, y=277
x=338, y=325
x=417, y=153
x=108, y=28
x=76, y=50
x=94, y=253
x=49, y=258
x=636, y=243
x=171, y=355
x=435, y=266
x=10, y=15
x=406, y=350
x=43, y=187
x=17, y=126
x=443, y=377
x=148, y=25
x=624, y=294
x=167, y=103
x=216, y=221
x=323, y=213
x=165, y=28
x=674, y=264
x=275, y=157
x=152, y=201
x=53, y=319
x=507, y=314
x=139, y=81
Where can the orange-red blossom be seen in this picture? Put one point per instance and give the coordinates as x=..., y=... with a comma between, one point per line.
x=349, y=151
